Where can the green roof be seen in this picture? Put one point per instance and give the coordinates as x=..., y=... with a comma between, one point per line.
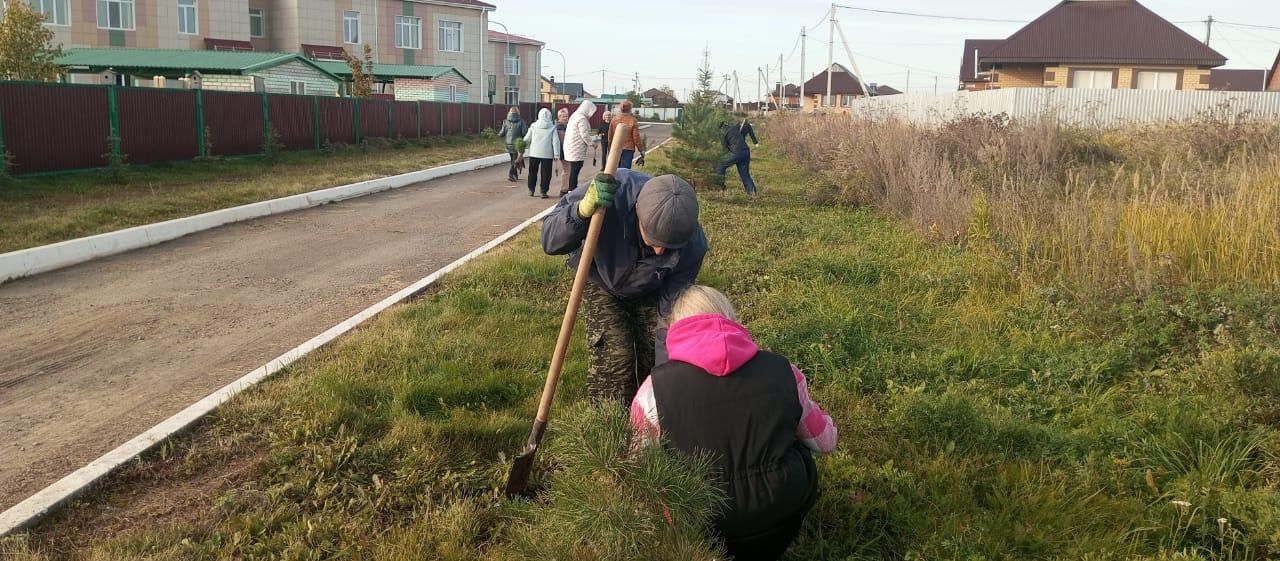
x=208, y=62
x=427, y=71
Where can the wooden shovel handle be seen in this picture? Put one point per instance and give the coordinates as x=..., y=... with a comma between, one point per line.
x=579, y=283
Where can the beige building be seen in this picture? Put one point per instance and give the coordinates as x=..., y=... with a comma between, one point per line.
x=405, y=32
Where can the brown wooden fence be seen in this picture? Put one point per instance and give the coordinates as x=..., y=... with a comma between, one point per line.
x=57, y=127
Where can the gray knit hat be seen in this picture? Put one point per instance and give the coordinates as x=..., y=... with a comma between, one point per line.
x=668, y=211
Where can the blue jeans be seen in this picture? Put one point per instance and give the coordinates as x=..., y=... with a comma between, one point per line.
x=625, y=161
x=743, y=161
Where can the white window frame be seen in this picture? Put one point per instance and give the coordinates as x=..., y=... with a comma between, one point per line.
x=123, y=8
x=350, y=23
x=56, y=12
x=511, y=64
x=453, y=92
x=297, y=87
x=193, y=8
x=446, y=32
x=511, y=95
x=1093, y=75
x=408, y=32
x=1157, y=80
x=261, y=15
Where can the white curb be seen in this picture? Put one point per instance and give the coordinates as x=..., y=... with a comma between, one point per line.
x=35, y=507
x=46, y=258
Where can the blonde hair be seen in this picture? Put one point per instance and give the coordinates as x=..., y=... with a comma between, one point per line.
x=698, y=300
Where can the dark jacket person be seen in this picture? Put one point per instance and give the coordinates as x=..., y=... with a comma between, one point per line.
x=651, y=248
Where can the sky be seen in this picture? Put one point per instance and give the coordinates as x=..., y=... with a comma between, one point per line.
x=662, y=40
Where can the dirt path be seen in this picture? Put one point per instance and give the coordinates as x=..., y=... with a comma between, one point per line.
x=92, y=355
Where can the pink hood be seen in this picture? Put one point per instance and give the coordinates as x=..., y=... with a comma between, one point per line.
x=710, y=342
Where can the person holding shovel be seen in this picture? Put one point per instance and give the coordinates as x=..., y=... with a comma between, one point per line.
x=734, y=139
x=651, y=248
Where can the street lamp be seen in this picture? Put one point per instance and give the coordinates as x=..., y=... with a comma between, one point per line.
x=504, y=58
x=563, y=64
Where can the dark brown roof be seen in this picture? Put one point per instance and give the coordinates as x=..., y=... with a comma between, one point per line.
x=498, y=37
x=842, y=83
x=982, y=46
x=465, y=4
x=881, y=89
x=790, y=90
x=1237, y=80
x=1103, y=32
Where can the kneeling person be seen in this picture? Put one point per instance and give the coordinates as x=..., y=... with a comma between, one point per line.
x=651, y=248
x=750, y=409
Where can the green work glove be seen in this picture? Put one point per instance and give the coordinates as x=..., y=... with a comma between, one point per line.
x=599, y=195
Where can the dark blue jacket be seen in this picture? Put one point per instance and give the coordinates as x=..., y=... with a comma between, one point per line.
x=734, y=138
x=623, y=265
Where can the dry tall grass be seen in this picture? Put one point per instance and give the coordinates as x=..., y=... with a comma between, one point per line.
x=1129, y=209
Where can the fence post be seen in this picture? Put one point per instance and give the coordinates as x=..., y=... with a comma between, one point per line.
x=201, y=151
x=391, y=109
x=355, y=119
x=418, y=115
x=266, y=124
x=315, y=118
x=4, y=156
x=113, y=119
x=441, y=105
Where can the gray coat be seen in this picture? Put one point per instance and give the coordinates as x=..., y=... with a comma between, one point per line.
x=513, y=128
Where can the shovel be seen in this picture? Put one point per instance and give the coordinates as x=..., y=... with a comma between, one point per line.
x=522, y=467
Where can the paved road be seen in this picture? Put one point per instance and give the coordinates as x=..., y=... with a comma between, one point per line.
x=93, y=355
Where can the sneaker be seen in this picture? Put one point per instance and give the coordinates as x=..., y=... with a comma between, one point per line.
x=530, y=192
x=544, y=195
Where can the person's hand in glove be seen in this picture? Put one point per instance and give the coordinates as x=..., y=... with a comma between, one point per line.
x=640, y=160
x=599, y=195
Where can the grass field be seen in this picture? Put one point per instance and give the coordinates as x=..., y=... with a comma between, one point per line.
x=42, y=210
x=981, y=417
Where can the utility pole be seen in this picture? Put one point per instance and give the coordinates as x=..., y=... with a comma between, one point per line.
x=935, y=84
x=602, y=90
x=779, y=98
x=635, y=84
x=831, y=53
x=803, y=32
x=908, y=90
x=1208, y=34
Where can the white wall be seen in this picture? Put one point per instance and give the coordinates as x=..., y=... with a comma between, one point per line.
x=1075, y=106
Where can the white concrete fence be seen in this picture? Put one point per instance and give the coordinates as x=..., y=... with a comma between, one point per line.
x=1074, y=106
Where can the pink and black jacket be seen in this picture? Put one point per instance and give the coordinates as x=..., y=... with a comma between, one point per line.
x=749, y=408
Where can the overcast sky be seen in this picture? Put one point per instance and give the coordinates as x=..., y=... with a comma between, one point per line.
x=662, y=40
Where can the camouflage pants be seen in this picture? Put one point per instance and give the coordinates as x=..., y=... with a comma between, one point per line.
x=619, y=344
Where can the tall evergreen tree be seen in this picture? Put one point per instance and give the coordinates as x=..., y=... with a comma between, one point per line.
x=698, y=149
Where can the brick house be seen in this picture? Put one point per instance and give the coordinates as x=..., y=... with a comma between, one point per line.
x=211, y=70
x=845, y=87
x=1273, y=76
x=1099, y=44
x=661, y=98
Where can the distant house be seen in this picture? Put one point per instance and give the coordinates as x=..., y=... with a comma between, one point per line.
x=661, y=98
x=1235, y=80
x=1273, y=77
x=241, y=71
x=881, y=89
x=791, y=96
x=549, y=93
x=845, y=87
x=1098, y=44
x=410, y=82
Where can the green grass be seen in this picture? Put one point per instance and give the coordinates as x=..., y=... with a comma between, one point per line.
x=978, y=419
x=48, y=209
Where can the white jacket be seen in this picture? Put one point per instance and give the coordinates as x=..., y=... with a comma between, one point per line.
x=578, y=139
x=543, y=140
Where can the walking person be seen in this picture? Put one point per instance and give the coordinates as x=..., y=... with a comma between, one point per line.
x=513, y=128
x=562, y=130
x=577, y=142
x=750, y=410
x=602, y=133
x=633, y=140
x=734, y=139
x=543, y=151
x=651, y=248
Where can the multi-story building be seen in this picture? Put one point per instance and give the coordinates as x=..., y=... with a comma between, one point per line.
x=413, y=33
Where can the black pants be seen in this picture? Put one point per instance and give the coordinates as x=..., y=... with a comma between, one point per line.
x=512, y=172
x=768, y=546
x=540, y=173
x=575, y=168
x=604, y=155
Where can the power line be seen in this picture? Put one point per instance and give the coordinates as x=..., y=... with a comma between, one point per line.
x=1249, y=25
x=932, y=16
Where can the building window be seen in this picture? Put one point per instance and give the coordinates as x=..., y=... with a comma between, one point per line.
x=450, y=36
x=1092, y=79
x=56, y=12
x=187, y=22
x=453, y=92
x=257, y=23
x=512, y=96
x=351, y=27
x=259, y=84
x=1157, y=80
x=408, y=32
x=297, y=88
x=115, y=14
x=512, y=65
